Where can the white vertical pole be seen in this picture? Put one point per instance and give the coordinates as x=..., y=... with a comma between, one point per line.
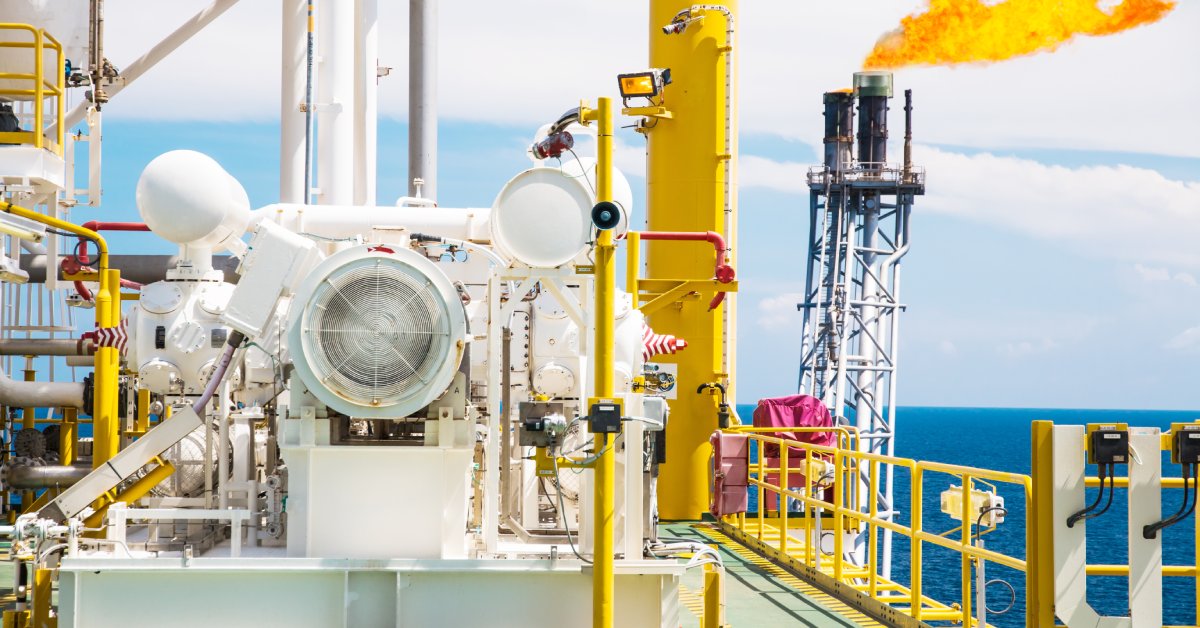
x=422, y=97
x=335, y=102
x=366, y=81
x=1145, y=508
x=291, y=95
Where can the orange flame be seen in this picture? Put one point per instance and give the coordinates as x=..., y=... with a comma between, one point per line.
x=964, y=31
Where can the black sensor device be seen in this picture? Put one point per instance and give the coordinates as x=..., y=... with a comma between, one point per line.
x=605, y=418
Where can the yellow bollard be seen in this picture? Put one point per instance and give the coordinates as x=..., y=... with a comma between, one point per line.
x=714, y=597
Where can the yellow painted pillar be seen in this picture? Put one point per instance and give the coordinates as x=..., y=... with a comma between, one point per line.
x=105, y=422
x=685, y=191
x=714, y=596
x=43, y=589
x=1039, y=531
x=67, y=436
x=606, y=285
x=29, y=413
x=28, y=422
x=142, y=422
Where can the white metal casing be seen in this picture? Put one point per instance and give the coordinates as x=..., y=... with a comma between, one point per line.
x=386, y=311
x=275, y=261
x=177, y=335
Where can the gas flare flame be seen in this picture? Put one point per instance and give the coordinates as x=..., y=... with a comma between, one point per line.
x=966, y=31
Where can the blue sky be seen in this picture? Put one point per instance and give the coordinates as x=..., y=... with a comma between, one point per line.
x=1054, y=261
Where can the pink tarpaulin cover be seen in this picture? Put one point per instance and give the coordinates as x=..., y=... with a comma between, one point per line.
x=788, y=412
x=731, y=475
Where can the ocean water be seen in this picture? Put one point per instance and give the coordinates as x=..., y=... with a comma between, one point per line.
x=999, y=439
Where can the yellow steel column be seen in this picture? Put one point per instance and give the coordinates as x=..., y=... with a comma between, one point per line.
x=28, y=413
x=606, y=285
x=1039, y=530
x=142, y=422
x=67, y=434
x=43, y=589
x=28, y=422
x=714, y=596
x=685, y=191
x=104, y=404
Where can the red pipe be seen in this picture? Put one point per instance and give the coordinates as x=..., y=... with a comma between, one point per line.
x=722, y=272
x=81, y=257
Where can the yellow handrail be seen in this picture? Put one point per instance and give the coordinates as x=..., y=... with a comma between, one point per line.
x=40, y=88
x=108, y=315
x=849, y=509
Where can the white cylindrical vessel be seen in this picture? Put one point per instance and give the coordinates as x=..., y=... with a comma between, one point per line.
x=366, y=89
x=293, y=81
x=335, y=103
x=350, y=221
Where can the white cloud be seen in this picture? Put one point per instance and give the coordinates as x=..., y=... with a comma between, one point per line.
x=779, y=312
x=1186, y=340
x=524, y=62
x=946, y=347
x=1024, y=348
x=1156, y=274
x=1103, y=211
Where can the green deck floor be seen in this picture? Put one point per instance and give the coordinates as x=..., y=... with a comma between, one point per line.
x=755, y=595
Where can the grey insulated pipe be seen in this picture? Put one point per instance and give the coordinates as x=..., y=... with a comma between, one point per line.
x=24, y=477
x=40, y=394
x=235, y=340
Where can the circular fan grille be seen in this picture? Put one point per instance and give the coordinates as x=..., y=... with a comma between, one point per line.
x=378, y=332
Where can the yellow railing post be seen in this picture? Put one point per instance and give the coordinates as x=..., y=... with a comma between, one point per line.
x=60, y=100
x=785, y=452
x=38, y=90
x=809, y=512
x=838, y=528
x=872, y=529
x=762, y=491
x=967, y=520
x=918, y=477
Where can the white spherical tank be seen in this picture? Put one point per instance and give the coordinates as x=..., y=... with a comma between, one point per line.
x=188, y=198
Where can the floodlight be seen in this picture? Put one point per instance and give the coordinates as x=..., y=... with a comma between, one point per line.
x=646, y=84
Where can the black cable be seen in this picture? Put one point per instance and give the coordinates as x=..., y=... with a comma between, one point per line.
x=562, y=513
x=1150, y=531
x=985, y=511
x=1086, y=513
